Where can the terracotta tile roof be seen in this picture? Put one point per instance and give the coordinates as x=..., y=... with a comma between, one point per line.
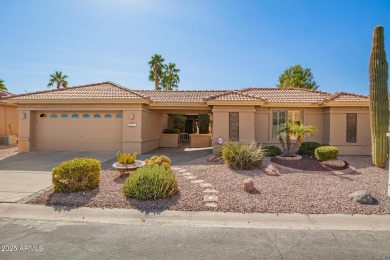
x=346, y=97
x=286, y=95
x=108, y=90
x=179, y=96
x=103, y=90
x=235, y=95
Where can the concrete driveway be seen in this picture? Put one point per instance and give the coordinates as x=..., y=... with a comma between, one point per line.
x=23, y=175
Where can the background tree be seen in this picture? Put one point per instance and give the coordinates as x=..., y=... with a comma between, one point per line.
x=379, y=103
x=170, y=77
x=297, y=77
x=2, y=85
x=155, y=73
x=58, y=79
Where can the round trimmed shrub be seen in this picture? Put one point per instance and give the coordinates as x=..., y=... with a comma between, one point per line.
x=79, y=174
x=272, y=150
x=150, y=183
x=242, y=156
x=308, y=148
x=325, y=153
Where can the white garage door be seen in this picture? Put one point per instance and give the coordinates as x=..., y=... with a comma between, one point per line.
x=79, y=131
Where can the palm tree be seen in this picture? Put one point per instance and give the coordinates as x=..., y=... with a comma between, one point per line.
x=156, y=65
x=297, y=130
x=170, y=77
x=2, y=85
x=59, y=79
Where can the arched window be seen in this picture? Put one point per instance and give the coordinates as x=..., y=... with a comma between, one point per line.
x=107, y=115
x=96, y=115
x=118, y=115
x=42, y=115
x=64, y=115
x=75, y=115
x=85, y=115
x=53, y=115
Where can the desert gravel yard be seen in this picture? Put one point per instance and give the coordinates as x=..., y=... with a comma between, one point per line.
x=291, y=192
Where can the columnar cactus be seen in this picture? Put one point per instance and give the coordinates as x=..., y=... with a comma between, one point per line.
x=379, y=102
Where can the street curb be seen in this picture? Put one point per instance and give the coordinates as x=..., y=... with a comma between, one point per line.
x=197, y=219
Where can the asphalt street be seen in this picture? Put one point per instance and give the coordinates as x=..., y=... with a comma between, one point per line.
x=38, y=239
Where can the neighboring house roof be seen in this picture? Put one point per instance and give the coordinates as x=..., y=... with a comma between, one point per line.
x=179, y=96
x=97, y=91
x=4, y=94
x=111, y=91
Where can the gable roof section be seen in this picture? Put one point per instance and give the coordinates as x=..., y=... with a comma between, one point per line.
x=287, y=95
x=180, y=96
x=98, y=91
x=345, y=97
x=235, y=95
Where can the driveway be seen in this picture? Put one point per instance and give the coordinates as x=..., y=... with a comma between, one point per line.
x=23, y=175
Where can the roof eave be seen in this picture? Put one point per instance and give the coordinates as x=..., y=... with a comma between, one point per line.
x=235, y=102
x=346, y=104
x=76, y=101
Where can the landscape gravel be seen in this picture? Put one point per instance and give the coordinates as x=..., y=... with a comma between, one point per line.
x=291, y=192
x=7, y=151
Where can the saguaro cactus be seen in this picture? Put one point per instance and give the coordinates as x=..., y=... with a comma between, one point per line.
x=379, y=100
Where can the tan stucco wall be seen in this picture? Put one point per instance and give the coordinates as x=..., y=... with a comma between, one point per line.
x=26, y=133
x=153, y=124
x=221, y=123
x=338, y=130
x=169, y=140
x=200, y=140
x=8, y=117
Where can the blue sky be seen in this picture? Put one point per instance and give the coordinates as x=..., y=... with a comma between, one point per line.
x=218, y=44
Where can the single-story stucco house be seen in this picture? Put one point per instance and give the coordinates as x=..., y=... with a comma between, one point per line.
x=108, y=117
x=8, y=117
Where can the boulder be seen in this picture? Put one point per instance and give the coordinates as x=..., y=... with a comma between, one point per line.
x=211, y=158
x=362, y=197
x=248, y=185
x=334, y=163
x=272, y=170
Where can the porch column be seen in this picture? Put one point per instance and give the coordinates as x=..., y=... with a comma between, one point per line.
x=26, y=131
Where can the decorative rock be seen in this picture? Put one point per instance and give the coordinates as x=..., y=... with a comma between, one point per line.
x=211, y=158
x=182, y=170
x=362, y=197
x=289, y=158
x=187, y=174
x=334, y=163
x=248, y=185
x=210, y=191
x=197, y=181
x=211, y=205
x=210, y=198
x=206, y=185
x=272, y=170
x=190, y=177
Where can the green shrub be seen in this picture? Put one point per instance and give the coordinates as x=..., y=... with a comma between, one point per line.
x=325, y=153
x=79, y=174
x=180, y=121
x=272, y=150
x=171, y=131
x=203, y=123
x=308, y=148
x=242, y=156
x=150, y=183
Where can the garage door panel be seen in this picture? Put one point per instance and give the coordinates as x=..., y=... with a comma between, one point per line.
x=79, y=134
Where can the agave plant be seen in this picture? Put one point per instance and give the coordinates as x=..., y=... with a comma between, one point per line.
x=293, y=129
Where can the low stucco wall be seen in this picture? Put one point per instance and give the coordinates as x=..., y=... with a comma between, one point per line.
x=200, y=140
x=169, y=140
x=8, y=118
